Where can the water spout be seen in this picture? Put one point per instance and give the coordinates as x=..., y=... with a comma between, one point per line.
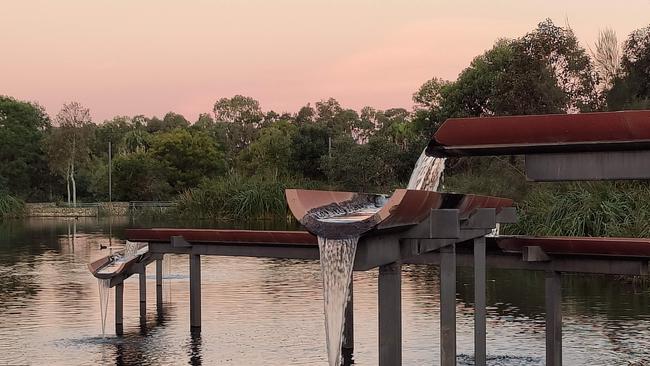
x=336, y=260
x=104, y=294
x=427, y=173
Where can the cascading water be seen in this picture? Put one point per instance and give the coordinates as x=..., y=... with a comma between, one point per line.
x=337, y=255
x=427, y=173
x=336, y=261
x=104, y=294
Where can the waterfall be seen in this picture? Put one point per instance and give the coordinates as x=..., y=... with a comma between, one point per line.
x=336, y=261
x=104, y=294
x=427, y=173
x=337, y=255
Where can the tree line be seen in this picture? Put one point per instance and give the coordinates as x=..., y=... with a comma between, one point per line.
x=324, y=144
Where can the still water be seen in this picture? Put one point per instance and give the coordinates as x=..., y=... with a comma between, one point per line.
x=270, y=312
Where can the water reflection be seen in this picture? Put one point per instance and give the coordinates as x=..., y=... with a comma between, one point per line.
x=269, y=312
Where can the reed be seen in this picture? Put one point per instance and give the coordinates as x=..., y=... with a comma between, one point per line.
x=619, y=209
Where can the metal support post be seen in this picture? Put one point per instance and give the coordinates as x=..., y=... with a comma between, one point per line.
x=479, y=302
x=159, y=286
x=195, y=292
x=348, y=330
x=553, y=318
x=142, y=277
x=448, y=305
x=119, y=308
x=390, y=314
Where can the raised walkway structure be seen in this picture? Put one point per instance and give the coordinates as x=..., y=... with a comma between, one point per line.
x=447, y=229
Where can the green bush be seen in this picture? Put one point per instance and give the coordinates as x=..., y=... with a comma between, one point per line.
x=11, y=206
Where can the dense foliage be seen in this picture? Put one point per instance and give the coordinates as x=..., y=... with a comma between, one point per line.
x=236, y=160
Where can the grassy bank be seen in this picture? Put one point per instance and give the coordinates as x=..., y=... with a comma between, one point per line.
x=11, y=206
x=235, y=197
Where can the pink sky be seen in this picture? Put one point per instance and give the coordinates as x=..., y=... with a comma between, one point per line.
x=128, y=57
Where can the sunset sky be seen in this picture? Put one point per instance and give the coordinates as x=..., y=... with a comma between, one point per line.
x=128, y=57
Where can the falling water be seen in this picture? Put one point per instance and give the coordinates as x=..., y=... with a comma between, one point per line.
x=337, y=255
x=427, y=173
x=104, y=293
x=131, y=249
x=336, y=260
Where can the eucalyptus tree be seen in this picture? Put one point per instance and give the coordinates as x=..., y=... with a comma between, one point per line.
x=69, y=144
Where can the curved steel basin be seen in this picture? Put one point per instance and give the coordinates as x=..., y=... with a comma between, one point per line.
x=345, y=214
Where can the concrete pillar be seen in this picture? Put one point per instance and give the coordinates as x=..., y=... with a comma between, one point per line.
x=142, y=277
x=159, y=286
x=448, y=305
x=195, y=292
x=348, y=330
x=390, y=314
x=119, y=309
x=553, y=318
x=479, y=302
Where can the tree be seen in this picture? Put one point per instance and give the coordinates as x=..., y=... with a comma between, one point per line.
x=23, y=127
x=309, y=144
x=140, y=176
x=69, y=145
x=559, y=50
x=429, y=95
x=169, y=122
x=190, y=157
x=305, y=115
x=238, y=109
x=270, y=155
x=631, y=89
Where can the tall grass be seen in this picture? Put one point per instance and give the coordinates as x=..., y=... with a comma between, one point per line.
x=586, y=209
x=236, y=197
x=11, y=206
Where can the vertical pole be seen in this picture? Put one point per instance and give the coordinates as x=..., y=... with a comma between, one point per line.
x=348, y=330
x=553, y=318
x=479, y=302
x=195, y=292
x=448, y=305
x=110, y=170
x=390, y=314
x=142, y=276
x=119, y=306
x=159, y=284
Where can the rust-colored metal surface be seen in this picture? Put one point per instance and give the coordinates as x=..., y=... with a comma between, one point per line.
x=584, y=132
x=625, y=247
x=217, y=236
x=345, y=214
x=96, y=266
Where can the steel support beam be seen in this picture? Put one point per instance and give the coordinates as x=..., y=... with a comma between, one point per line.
x=553, y=318
x=390, y=314
x=348, y=330
x=142, y=277
x=159, y=286
x=195, y=292
x=119, y=309
x=479, y=302
x=448, y=305
x=601, y=165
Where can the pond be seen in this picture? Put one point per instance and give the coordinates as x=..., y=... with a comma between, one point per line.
x=270, y=312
